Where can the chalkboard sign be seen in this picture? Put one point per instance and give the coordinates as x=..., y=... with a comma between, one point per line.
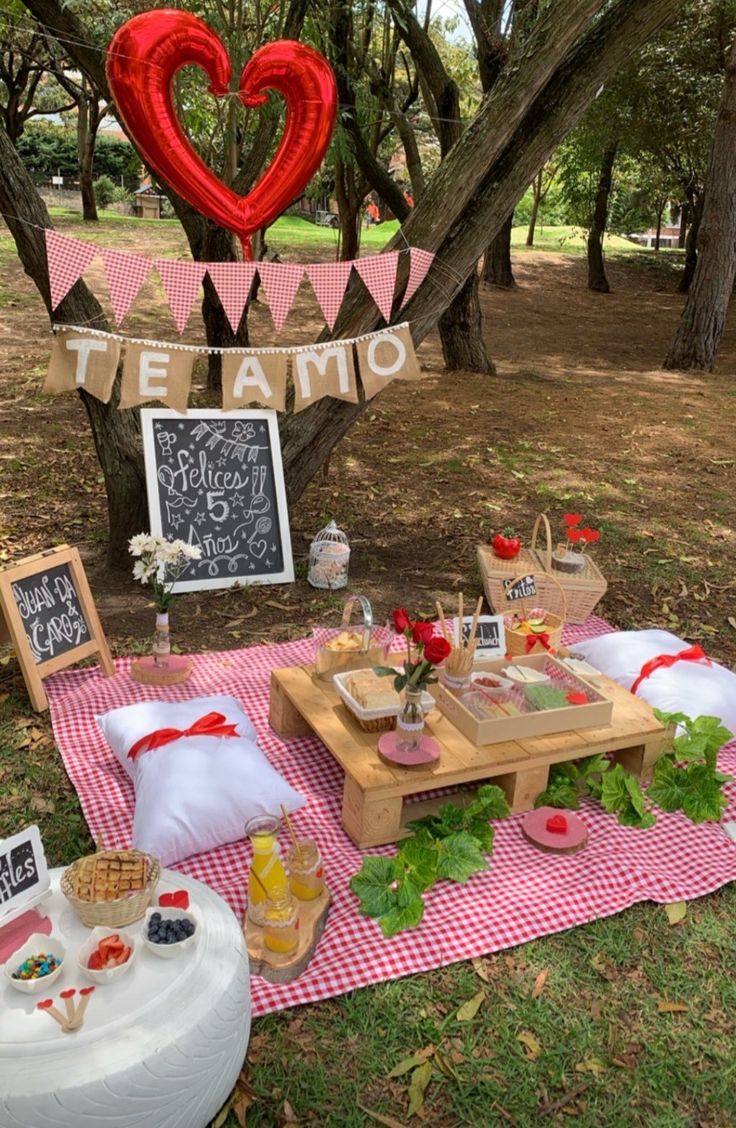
x=215, y=480
x=489, y=633
x=51, y=617
x=523, y=588
x=24, y=877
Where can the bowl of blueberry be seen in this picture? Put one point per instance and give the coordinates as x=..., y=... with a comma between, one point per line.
x=167, y=932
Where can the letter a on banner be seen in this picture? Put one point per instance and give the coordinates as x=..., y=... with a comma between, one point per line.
x=81, y=361
x=254, y=378
x=325, y=371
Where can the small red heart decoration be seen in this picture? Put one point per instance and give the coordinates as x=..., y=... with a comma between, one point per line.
x=177, y=900
x=86, y=990
x=577, y=698
x=143, y=57
x=557, y=824
x=45, y=1004
x=68, y=994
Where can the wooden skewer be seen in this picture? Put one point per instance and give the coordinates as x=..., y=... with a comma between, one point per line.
x=86, y=995
x=47, y=1005
x=294, y=839
x=473, y=641
x=68, y=996
x=460, y=621
x=443, y=624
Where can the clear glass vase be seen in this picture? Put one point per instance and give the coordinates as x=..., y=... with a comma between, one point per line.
x=161, y=641
x=410, y=721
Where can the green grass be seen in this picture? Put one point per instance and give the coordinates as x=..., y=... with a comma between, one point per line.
x=568, y=240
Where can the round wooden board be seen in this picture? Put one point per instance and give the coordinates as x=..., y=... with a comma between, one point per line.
x=146, y=672
x=279, y=968
x=534, y=829
x=426, y=756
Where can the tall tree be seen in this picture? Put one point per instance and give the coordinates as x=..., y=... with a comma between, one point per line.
x=698, y=335
x=574, y=47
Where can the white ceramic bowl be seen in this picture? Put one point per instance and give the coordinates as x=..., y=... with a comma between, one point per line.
x=171, y=951
x=107, y=974
x=36, y=943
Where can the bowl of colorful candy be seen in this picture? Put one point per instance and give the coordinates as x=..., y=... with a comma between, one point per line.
x=37, y=964
x=167, y=932
x=106, y=955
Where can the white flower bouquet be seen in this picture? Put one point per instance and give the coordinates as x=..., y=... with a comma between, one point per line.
x=160, y=563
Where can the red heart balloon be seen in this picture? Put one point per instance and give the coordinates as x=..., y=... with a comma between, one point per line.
x=142, y=59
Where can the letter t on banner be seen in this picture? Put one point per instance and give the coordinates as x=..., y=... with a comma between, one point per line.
x=81, y=361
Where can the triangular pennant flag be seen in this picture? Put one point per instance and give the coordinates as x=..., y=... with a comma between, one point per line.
x=329, y=280
x=379, y=274
x=68, y=259
x=281, y=281
x=125, y=276
x=233, y=281
x=420, y=264
x=181, y=282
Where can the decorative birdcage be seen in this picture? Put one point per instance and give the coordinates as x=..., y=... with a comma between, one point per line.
x=329, y=556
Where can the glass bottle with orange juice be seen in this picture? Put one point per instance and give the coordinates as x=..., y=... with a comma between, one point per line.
x=272, y=879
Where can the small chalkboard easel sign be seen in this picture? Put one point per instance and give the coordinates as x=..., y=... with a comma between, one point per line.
x=521, y=588
x=489, y=633
x=51, y=617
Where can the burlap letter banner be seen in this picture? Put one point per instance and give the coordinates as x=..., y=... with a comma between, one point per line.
x=385, y=357
x=326, y=370
x=156, y=372
x=254, y=378
x=81, y=361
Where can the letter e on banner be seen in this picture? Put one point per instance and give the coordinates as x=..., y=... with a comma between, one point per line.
x=154, y=374
x=81, y=361
x=254, y=378
x=333, y=365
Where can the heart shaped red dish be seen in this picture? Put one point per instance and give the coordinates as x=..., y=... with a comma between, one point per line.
x=143, y=57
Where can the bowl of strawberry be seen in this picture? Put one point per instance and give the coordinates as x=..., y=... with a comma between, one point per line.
x=167, y=932
x=106, y=956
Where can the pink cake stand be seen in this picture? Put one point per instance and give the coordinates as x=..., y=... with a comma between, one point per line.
x=173, y=670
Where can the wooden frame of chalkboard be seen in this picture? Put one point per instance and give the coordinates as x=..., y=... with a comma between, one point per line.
x=29, y=593
x=215, y=479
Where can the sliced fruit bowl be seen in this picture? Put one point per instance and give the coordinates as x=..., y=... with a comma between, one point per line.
x=110, y=953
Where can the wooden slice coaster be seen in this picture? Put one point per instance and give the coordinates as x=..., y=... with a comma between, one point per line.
x=176, y=670
x=425, y=756
x=554, y=831
x=277, y=967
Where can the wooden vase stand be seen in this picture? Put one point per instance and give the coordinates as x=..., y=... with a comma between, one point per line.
x=280, y=967
x=173, y=670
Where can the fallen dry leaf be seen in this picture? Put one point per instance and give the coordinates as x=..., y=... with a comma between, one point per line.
x=417, y=1087
x=676, y=911
x=289, y=1116
x=411, y=1062
x=42, y=806
x=530, y=1043
x=539, y=983
x=388, y=1121
x=469, y=1010
x=591, y=1065
x=480, y=967
x=666, y=1007
x=445, y=1065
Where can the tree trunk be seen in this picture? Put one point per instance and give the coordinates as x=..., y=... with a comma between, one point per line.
x=596, y=269
x=691, y=245
x=497, y=267
x=658, y=235
x=536, y=199
x=116, y=433
x=86, y=138
x=461, y=333
x=695, y=343
x=349, y=206
x=682, y=234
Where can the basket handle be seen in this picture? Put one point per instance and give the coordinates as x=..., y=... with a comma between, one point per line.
x=542, y=519
x=367, y=610
x=534, y=599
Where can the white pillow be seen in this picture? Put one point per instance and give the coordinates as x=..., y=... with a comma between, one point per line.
x=686, y=687
x=197, y=792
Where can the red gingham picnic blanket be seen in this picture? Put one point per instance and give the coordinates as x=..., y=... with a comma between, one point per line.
x=524, y=895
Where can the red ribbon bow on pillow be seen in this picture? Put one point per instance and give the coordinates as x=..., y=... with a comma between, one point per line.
x=533, y=639
x=212, y=724
x=662, y=661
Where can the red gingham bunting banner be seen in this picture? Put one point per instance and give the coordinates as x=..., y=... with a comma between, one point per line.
x=125, y=276
x=420, y=264
x=379, y=274
x=281, y=281
x=329, y=280
x=181, y=283
x=233, y=281
x=68, y=259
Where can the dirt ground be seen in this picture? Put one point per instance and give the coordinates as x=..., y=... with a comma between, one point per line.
x=579, y=417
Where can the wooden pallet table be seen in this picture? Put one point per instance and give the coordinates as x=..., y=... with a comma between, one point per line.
x=374, y=810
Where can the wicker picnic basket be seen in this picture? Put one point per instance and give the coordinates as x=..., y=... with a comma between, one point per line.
x=517, y=641
x=583, y=589
x=92, y=885
x=494, y=571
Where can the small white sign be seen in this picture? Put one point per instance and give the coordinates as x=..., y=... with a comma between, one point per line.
x=24, y=876
x=58, y=180
x=490, y=635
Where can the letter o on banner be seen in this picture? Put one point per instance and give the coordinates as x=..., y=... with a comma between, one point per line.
x=386, y=370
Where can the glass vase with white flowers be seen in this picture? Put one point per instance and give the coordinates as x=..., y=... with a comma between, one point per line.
x=161, y=563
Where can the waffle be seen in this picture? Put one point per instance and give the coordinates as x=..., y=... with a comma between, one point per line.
x=108, y=876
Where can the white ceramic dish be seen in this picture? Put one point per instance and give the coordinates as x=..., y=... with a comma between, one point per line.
x=341, y=685
x=171, y=951
x=106, y=974
x=35, y=944
x=580, y=667
x=504, y=683
x=525, y=675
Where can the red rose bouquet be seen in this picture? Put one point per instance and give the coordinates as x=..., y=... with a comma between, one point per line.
x=578, y=537
x=424, y=652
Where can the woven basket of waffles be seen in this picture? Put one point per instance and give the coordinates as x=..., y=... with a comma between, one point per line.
x=112, y=887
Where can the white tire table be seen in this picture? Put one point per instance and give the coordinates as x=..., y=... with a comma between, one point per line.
x=161, y=1047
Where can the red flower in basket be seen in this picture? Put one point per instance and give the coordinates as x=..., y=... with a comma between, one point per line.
x=578, y=536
